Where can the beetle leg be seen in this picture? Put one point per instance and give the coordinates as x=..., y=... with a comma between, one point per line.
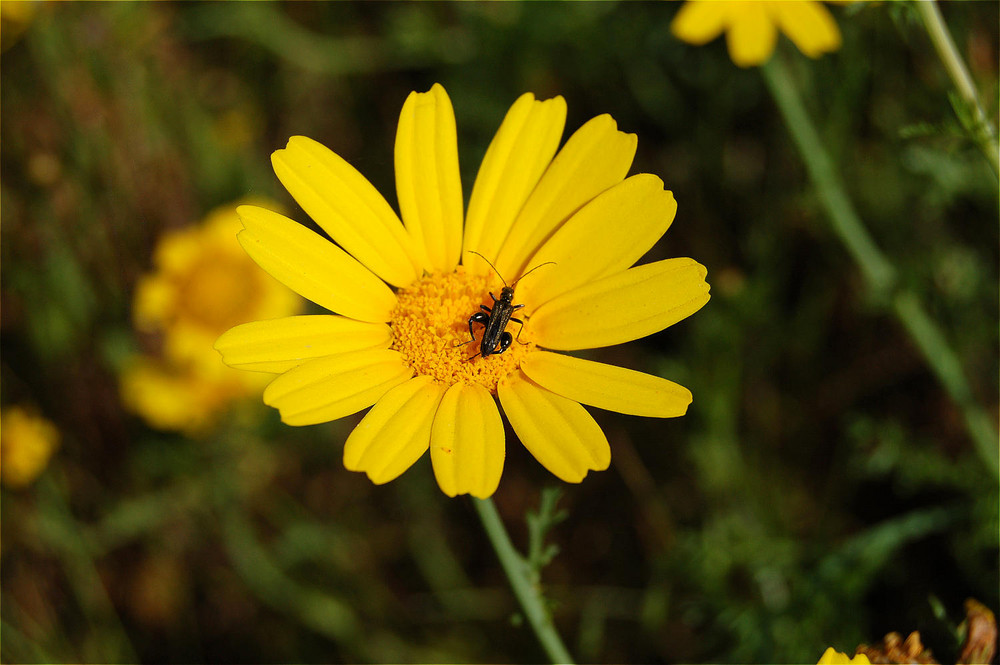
x=505, y=340
x=518, y=337
x=478, y=317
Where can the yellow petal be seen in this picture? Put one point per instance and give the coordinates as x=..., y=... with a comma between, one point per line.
x=833, y=657
x=809, y=25
x=514, y=162
x=313, y=267
x=467, y=442
x=178, y=250
x=396, y=432
x=699, y=21
x=752, y=35
x=595, y=158
x=154, y=302
x=274, y=300
x=560, y=433
x=169, y=397
x=606, y=386
x=335, y=386
x=427, y=177
x=277, y=345
x=347, y=207
x=622, y=307
x=606, y=236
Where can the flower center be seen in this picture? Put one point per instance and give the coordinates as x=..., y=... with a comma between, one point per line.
x=219, y=290
x=431, y=322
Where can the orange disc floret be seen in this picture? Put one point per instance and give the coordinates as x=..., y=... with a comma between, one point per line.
x=430, y=324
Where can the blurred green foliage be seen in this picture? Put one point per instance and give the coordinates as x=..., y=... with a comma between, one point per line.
x=821, y=490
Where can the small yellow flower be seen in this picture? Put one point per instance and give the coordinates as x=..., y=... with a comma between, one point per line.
x=404, y=299
x=27, y=441
x=752, y=26
x=201, y=285
x=832, y=657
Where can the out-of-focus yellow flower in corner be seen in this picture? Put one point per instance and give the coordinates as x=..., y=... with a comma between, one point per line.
x=752, y=26
x=15, y=16
x=832, y=657
x=202, y=284
x=27, y=441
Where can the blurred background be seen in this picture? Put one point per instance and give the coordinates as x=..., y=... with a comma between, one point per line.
x=822, y=489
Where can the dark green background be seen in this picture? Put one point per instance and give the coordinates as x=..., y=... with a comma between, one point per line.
x=820, y=491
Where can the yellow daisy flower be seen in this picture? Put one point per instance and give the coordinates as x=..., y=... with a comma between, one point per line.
x=752, y=26
x=202, y=284
x=833, y=657
x=27, y=441
x=404, y=300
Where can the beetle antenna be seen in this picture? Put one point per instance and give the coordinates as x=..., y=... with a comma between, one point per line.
x=472, y=251
x=547, y=263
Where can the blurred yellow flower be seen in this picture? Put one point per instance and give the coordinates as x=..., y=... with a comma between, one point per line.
x=15, y=16
x=179, y=396
x=407, y=352
x=832, y=657
x=201, y=285
x=752, y=26
x=27, y=441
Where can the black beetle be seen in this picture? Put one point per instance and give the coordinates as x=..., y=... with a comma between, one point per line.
x=495, y=319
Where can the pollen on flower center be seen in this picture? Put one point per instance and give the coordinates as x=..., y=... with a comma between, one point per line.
x=431, y=321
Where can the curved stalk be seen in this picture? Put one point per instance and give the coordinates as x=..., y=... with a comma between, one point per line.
x=523, y=581
x=878, y=271
x=937, y=30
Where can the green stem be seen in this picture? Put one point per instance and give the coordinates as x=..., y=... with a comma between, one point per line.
x=522, y=580
x=937, y=30
x=65, y=535
x=879, y=273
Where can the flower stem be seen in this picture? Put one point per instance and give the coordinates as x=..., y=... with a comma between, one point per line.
x=65, y=538
x=522, y=580
x=878, y=271
x=937, y=30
